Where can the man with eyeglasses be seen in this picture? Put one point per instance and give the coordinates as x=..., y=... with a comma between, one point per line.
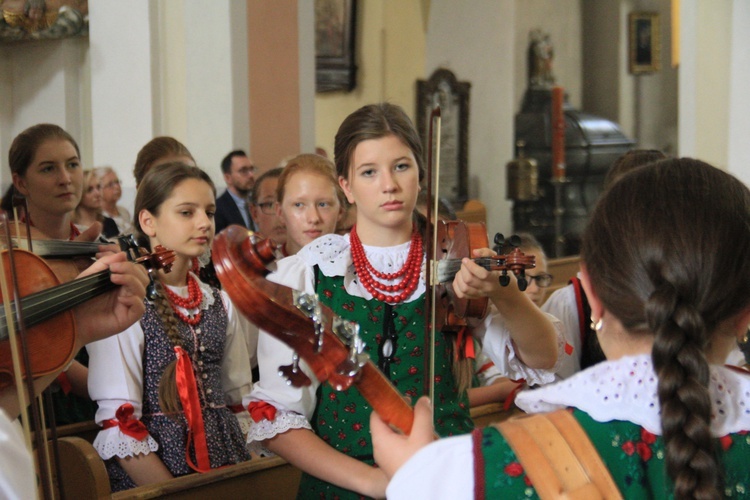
x=233, y=207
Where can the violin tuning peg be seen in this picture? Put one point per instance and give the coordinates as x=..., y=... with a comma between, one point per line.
x=504, y=279
x=499, y=239
x=515, y=241
x=522, y=283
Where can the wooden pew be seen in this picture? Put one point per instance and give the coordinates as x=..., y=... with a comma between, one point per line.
x=491, y=413
x=562, y=268
x=85, y=477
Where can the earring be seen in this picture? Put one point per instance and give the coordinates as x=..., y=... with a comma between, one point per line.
x=744, y=339
x=597, y=325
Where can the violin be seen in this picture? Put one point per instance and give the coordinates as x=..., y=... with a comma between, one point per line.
x=45, y=308
x=458, y=239
x=330, y=345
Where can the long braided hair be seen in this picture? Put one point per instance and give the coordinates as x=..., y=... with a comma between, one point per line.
x=666, y=250
x=155, y=188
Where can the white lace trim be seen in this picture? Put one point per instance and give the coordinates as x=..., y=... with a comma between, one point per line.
x=626, y=390
x=208, y=294
x=112, y=442
x=266, y=429
x=332, y=254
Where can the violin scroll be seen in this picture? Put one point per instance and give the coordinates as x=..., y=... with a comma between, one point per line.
x=515, y=261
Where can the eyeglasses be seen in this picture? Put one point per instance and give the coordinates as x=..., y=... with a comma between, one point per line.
x=111, y=184
x=543, y=280
x=246, y=170
x=268, y=207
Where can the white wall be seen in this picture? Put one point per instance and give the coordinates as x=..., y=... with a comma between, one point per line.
x=475, y=39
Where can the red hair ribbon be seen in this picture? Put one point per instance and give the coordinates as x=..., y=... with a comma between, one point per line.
x=191, y=407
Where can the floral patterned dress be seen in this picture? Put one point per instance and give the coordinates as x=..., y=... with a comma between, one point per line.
x=342, y=418
x=617, y=406
x=125, y=373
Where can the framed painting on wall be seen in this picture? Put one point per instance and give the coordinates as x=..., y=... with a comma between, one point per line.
x=644, y=42
x=23, y=20
x=335, y=69
x=444, y=90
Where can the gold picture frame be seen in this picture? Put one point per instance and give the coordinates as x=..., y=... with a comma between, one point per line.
x=644, y=42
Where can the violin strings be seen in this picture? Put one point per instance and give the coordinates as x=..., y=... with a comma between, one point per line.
x=448, y=268
x=42, y=305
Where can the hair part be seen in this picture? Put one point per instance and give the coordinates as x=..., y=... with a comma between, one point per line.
x=310, y=164
x=157, y=186
x=25, y=145
x=375, y=121
x=154, y=150
x=675, y=267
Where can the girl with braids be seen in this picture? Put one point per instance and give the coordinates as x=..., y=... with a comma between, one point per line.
x=165, y=385
x=378, y=158
x=669, y=287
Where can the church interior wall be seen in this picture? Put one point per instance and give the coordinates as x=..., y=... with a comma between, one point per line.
x=180, y=68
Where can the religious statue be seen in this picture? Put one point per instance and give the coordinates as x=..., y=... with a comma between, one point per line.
x=541, y=53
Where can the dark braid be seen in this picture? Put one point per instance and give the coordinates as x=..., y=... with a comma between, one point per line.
x=169, y=399
x=666, y=251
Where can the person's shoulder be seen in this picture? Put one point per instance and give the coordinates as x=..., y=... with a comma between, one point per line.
x=330, y=252
x=224, y=198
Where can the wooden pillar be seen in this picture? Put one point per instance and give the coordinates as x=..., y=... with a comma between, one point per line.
x=273, y=80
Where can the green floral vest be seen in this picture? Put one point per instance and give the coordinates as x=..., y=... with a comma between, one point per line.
x=342, y=419
x=634, y=457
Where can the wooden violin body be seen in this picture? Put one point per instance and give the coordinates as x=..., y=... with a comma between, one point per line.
x=51, y=344
x=240, y=258
x=45, y=308
x=457, y=240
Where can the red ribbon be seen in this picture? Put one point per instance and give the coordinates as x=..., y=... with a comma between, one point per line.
x=260, y=410
x=465, y=342
x=191, y=407
x=127, y=423
x=512, y=396
x=64, y=382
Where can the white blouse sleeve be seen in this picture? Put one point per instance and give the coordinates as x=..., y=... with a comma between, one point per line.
x=562, y=305
x=443, y=469
x=240, y=351
x=294, y=405
x=498, y=345
x=116, y=378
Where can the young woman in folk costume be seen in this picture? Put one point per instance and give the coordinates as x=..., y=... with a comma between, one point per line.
x=310, y=200
x=326, y=433
x=164, y=386
x=669, y=288
x=45, y=163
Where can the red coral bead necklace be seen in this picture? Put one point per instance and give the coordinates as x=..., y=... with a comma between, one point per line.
x=367, y=273
x=192, y=301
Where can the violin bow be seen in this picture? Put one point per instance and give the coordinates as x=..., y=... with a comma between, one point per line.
x=32, y=404
x=433, y=163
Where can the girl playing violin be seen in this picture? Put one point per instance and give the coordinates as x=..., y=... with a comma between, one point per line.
x=46, y=167
x=164, y=385
x=378, y=157
x=104, y=315
x=669, y=299
x=310, y=200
